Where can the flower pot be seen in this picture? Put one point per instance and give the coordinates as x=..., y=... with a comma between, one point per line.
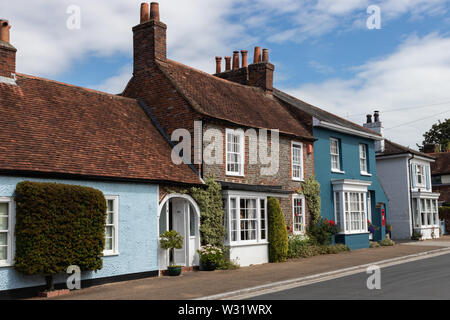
x=208, y=266
x=174, y=271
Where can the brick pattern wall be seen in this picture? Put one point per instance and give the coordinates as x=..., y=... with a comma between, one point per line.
x=149, y=42
x=252, y=173
x=7, y=60
x=261, y=75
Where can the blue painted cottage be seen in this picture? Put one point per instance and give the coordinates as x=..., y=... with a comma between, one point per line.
x=345, y=167
x=56, y=132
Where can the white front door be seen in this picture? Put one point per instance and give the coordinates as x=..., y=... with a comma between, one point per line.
x=179, y=224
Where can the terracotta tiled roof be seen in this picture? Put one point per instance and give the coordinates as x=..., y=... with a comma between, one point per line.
x=54, y=128
x=442, y=164
x=225, y=100
x=392, y=148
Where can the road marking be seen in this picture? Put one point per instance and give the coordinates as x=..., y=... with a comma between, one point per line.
x=304, y=281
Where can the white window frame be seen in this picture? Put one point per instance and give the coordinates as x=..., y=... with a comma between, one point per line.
x=297, y=165
x=303, y=215
x=420, y=172
x=258, y=219
x=115, y=225
x=10, y=232
x=241, y=135
x=422, y=213
x=363, y=159
x=337, y=155
x=348, y=212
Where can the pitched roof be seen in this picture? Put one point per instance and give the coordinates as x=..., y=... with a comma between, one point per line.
x=442, y=164
x=320, y=114
x=232, y=102
x=54, y=128
x=392, y=148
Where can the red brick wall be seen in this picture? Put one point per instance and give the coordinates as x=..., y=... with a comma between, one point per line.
x=7, y=60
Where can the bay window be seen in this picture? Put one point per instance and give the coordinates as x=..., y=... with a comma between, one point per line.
x=6, y=231
x=234, y=152
x=246, y=219
x=297, y=161
x=425, y=213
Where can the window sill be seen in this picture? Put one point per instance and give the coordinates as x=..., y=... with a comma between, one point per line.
x=6, y=265
x=298, y=180
x=337, y=171
x=229, y=174
x=247, y=244
x=353, y=233
x=366, y=174
x=110, y=254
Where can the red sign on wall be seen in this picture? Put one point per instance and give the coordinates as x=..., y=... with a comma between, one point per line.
x=383, y=217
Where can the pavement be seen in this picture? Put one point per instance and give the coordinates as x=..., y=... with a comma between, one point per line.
x=427, y=279
x=200, y=285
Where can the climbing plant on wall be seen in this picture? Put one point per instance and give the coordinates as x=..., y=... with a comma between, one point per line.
x=311, y=191
x=209, y=200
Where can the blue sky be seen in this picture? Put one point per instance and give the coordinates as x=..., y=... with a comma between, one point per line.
x=323, y=51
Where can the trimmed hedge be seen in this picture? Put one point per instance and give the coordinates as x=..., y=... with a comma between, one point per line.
x=305, y=248
x=278, y=235
x=58, y=226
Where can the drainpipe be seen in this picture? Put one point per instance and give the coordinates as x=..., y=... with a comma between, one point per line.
x=410, y=192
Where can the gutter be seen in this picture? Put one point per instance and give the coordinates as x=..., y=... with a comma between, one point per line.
x=410, y=192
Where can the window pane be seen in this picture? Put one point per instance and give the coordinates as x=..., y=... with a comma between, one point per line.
x=163, y=220
x=192, y=221
x=3, y=239
x=4, y=209
x=110, y=205
x=3, y=223
x=3, y=253
x=108, y=244
x=109, y=231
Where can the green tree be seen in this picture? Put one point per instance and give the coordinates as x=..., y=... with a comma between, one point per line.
x=278, y=236
x=438, y=134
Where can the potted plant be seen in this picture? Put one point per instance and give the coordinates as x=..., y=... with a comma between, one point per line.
x=209, y=257
x=171, y=240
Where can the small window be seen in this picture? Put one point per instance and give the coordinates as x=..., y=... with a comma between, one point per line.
x=263, y=225
x=297, y=161
x=298, y=215
x=5, y=232
x=112, y=226
x=420, y=175
x=192, y=221
x=335, y=155
x=363, y=158
x=235, y=152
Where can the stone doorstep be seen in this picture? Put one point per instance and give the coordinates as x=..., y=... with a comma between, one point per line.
x=52, y=294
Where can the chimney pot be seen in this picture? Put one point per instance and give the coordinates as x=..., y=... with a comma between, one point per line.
x=218, y=64
x=257, y=55
x=227, y=63
x=235, y=60
x=244, y=54
x=4, y=30
x=369, y=118
x=265, y=55
x=145, y=12
x=376, y=115
x=154, y=11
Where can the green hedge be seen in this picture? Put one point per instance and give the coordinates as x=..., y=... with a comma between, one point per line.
x=304, y=248
x=278, y=235
x=57, y=226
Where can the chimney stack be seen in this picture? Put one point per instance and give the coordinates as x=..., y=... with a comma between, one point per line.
x=260, y=73
x=149, y=37
x=7, y=54
x=244, y=54
x=376, y=126
x=227, y=63
x=218, y=65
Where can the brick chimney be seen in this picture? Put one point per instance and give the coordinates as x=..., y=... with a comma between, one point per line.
x=149, y=38
x=7, y=54
x=260, y=72
x=378, y=127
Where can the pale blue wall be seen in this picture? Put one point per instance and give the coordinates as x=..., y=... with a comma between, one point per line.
x=138, y=241
x=350, y=165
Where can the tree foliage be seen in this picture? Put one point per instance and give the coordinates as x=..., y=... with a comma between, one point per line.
x=58, y=226
x=209, y=199
x=438, y=134
x=311, y=191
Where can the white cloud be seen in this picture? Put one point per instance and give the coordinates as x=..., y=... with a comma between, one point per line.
x=416, y=74
x=198, y=30
x=116, y=84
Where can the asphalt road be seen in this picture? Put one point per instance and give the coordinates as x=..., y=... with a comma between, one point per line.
x=418, y=280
